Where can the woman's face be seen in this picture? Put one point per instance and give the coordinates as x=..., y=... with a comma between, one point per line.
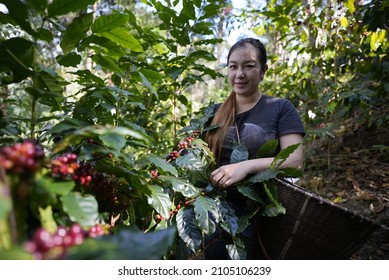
x=244, y=71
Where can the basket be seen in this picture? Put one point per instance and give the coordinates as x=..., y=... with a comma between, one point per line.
x=313, y=228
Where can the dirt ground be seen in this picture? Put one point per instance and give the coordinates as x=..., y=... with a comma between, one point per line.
x=350, y=166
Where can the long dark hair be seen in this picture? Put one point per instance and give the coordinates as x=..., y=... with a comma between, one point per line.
x=225, y=116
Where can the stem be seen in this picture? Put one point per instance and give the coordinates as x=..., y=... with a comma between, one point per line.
x=33, y=118
x=175, y=116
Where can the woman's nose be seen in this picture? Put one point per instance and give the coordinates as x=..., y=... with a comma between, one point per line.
x=240, y=73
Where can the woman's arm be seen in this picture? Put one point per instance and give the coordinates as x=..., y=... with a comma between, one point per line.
x=230, y=174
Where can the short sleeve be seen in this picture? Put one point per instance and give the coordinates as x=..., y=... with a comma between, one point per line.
x=290, y=121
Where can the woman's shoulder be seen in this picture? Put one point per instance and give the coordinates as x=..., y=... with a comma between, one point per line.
x=273, y=99
x=277, y=101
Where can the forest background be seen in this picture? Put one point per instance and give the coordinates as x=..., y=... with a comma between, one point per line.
x=121, y=83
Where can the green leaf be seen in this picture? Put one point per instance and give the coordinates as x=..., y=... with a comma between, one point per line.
x=147, y=84
x=103, y=46
x=203, y=28
x=181, y=37
x=263, y=176
x=203, y=147
x=206, y=214
x=271, y=189
x=274, y=208
x=373, y=41
x=47, y=220
x=188, y=11
x=159, y=200
x=152, y=76
x=237, y=251
x=54, y=187
x=229, y=221
x=79, y=135
x=18, y=11
x=51, y=99
x=350, y=5
x=45, y=35
x=5, y=207
x=211, y=10
x=192, y=160
x=126, y=244
x=108, y=22
x=187, y=228
x=201, y=54
x=75, y=32
x=106, y=62
x=70, y=60
x=81, y=209
x=251, y=192
x=17, y=55
x=39, y=5
x=62, y=7
x=114, y=141
x=239, y=153
x=291, y=172
x=163, y=164
x=123, y=38
x=268, y=149
x=244, y=221
x=283, y=155
x=51, y=82
x=68, y=125
x=181, y=186
x=344, y=22
x=16, y=253
x=86, y=77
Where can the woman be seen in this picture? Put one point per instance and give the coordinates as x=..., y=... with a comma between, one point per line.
x=252, y=118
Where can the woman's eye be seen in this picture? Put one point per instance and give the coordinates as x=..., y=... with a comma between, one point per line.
x=232, y=66
x=249, y=66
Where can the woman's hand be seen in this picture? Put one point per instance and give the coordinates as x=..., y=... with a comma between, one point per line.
x=227, y=175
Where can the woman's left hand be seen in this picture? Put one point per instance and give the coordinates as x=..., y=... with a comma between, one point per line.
x=227, y=175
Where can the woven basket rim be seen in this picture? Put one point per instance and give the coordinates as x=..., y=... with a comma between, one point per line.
x=323, y=200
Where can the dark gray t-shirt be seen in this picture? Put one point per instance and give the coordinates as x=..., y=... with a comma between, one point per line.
x=269, y=119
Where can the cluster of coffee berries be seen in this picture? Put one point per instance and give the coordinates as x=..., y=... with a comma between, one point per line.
x=96, y=230
x=46, y=245
x=22, y=157
x=154, y=173
x=177, y=208
x=84, y=173
x=158, y=217
x=174, y=155
x=64, y=166
x=182, y=145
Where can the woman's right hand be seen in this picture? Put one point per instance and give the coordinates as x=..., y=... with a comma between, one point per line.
x=227, y=175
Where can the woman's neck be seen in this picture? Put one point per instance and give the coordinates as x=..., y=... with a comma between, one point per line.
x=245, y=103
